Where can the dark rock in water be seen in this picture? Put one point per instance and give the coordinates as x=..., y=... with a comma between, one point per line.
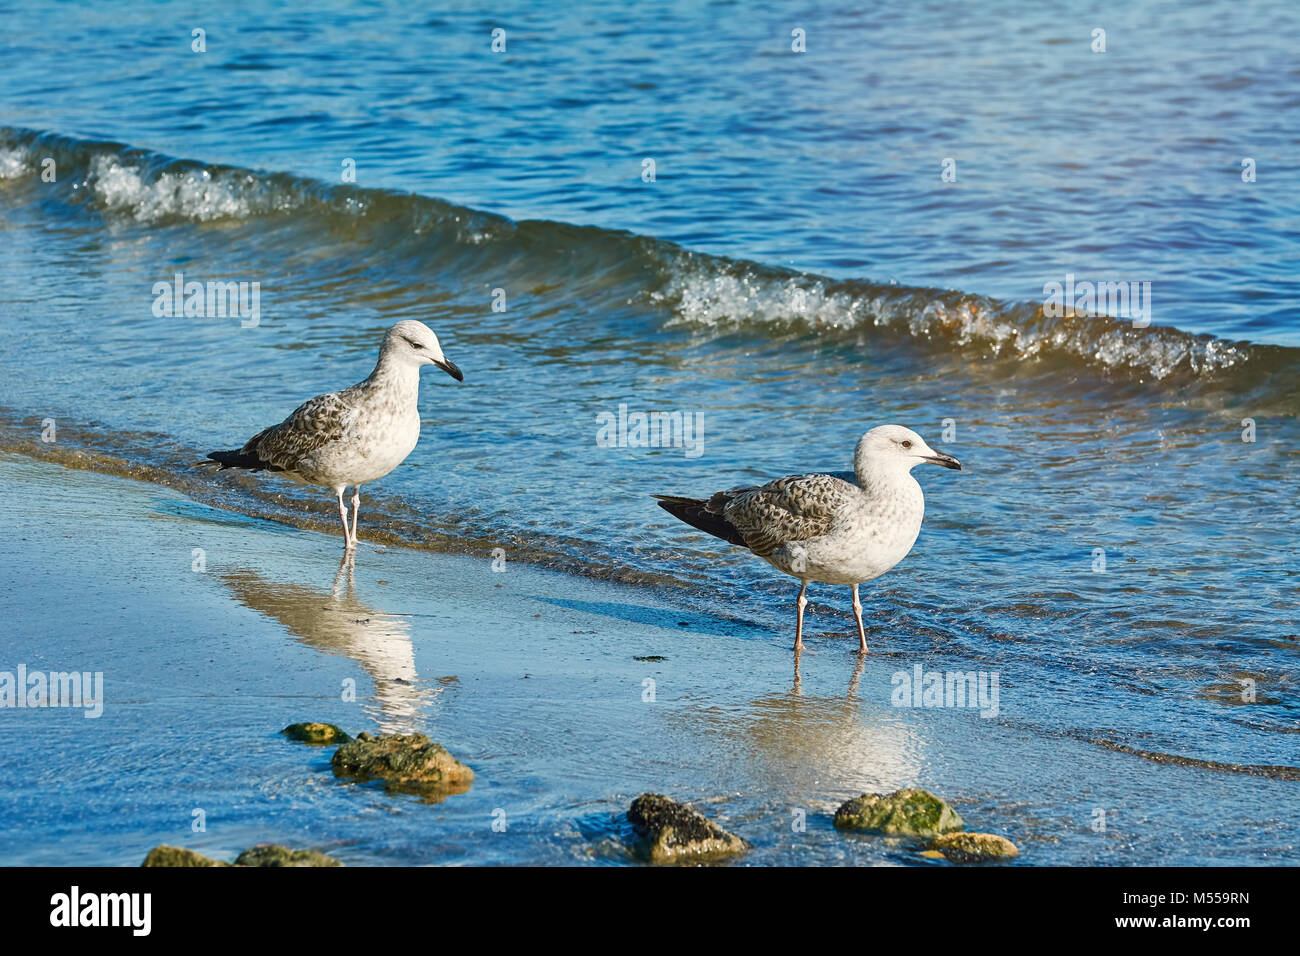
x=271, y=854
x=911, y=812
x=974, y=847
x=409, y=763
x=671, y=832
x=316, y=734
x=178, y=856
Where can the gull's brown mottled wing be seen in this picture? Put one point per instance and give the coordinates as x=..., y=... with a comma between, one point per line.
x=795, y=508
x=313, y=424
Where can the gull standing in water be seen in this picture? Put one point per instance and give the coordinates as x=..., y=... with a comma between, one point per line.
x=355, y=436
x=823, y=528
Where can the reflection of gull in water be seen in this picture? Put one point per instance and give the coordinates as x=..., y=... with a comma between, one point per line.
x=336, y=622
x=820, y=743
x=797, y=747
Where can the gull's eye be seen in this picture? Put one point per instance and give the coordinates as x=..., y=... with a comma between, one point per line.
x=907, y=443
x=414, y=345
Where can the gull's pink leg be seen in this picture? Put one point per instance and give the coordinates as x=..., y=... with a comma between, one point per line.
x=857, y=612
x=343, y=516
x=801, y=603
x=356, y=510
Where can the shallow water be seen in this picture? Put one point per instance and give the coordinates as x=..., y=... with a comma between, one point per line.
x=532, y=678
x=797, y=273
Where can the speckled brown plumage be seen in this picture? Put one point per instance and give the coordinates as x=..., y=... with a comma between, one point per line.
x=818, y=527
x=316, y=422
x=354, y=436
x=794, y=508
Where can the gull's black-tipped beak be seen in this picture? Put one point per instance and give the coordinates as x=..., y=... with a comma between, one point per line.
x=451, y=369
x=946, y=460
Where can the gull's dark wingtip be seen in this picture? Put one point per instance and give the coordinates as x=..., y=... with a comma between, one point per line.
x=694, y=512
x=239, y=459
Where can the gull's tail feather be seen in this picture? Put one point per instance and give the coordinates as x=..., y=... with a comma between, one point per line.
x=696, y=513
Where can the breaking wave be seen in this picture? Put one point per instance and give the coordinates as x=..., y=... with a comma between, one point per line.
x=707, y=292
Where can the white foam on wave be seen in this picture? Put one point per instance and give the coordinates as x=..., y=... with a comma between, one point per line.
x=13, y=163
x=701, y=295
x=195, y=195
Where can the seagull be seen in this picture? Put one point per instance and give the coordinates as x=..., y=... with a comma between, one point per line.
x=355, y=436
x=823, y=527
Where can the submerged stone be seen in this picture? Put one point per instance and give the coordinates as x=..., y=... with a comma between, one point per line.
x=178, y=856
x=316, y=733
x=910, y=812
x=671, y=832
x=271, y=854
x=974, y=847
x=409, y=763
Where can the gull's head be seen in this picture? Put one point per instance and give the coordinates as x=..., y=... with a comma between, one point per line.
x=893, y=447
x=413, y=343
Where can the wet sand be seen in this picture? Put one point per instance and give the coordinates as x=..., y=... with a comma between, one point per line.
x=530, y=677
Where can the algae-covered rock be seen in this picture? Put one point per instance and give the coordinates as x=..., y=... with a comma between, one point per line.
x=671, y=832
x=178, y=856
x=410, y=763
x=974, y=847
x=911, y=812
x=316, y=733
x=271, y=854
x=264, y=854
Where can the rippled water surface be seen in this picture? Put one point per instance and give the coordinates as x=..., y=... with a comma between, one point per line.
x=796, y=273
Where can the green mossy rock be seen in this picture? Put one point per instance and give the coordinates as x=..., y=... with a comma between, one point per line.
x=409, y=763
x=975, y=847
x=178, y=856
x=267, y=854
x=270, y=854
x=316, y=734
x=671, y=832
x=911, y=812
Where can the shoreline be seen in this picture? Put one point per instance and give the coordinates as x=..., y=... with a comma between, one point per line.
x=271, y=498
x=535, y=678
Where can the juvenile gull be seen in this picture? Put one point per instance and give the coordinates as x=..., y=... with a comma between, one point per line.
x=823, y=528
x=355, y=436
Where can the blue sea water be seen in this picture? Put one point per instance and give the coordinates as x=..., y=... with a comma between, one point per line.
x=798, y=270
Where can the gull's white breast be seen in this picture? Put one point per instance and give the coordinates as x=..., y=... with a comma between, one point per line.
x=376, y=439
x=866, y=540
